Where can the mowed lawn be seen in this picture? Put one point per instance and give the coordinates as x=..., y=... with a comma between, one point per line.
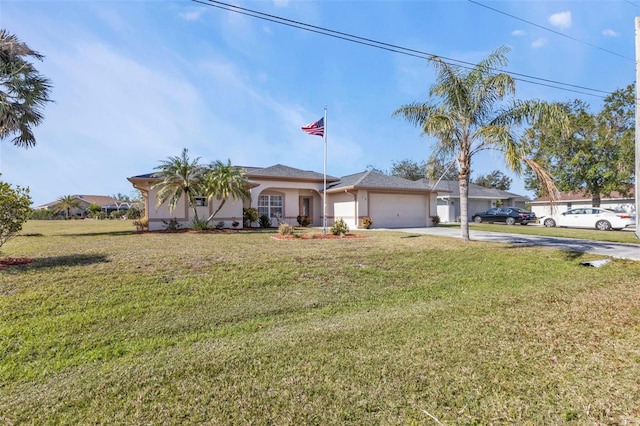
x=108, y=326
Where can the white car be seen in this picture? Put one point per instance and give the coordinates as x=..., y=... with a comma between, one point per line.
x=590, y=217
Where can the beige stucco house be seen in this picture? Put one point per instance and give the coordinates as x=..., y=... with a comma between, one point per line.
x=572, y=200
x=283, y=193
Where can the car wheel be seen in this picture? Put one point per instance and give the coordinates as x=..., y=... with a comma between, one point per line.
x=603, y=225
x=524, y=223
x=477, y=219
x=510, y=221
x=550, y=223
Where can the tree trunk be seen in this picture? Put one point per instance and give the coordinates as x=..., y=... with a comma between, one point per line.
x=595, y=200
x=463, y=183
x=216, y=212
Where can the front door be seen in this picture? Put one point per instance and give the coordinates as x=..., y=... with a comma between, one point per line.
x=305, y=208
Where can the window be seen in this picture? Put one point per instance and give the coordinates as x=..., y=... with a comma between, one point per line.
x=201, y=201
x=270, y=205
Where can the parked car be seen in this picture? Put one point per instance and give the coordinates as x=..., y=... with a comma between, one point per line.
x=591, y=217
x=508, y=215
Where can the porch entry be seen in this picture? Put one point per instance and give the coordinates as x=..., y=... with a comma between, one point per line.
x=306, y=207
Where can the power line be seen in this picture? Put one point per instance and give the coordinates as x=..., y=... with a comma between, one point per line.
x=552, y=31
x=395, y=48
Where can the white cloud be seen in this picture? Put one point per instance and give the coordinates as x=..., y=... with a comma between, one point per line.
x=518, y=33
x=192, y=15
x=610, y=33
x=561, y=20
x=539, y=43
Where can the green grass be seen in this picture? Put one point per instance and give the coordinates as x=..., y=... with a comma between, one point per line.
x=112, y=327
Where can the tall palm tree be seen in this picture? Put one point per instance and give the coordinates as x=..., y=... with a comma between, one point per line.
x=67, y=202
x=23, y=91
x=473, y=110
x=223, y=181
x=180, y=175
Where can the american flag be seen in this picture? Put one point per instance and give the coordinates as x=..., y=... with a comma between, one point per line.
x=315, y=128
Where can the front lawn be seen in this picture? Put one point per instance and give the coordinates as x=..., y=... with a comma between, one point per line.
x=108, y=326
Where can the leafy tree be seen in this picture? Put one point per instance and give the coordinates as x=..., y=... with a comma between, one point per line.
x=467, y=113
x=180, y=176
x=223, y=181
x=597, y=157
x=67, y=202
x=409, y=169
x=15, y=209
x=496, y=179
x=94, y=209
x=437, y=168
x=23, y=91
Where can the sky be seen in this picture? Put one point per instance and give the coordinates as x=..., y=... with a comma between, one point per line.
x=135, y=82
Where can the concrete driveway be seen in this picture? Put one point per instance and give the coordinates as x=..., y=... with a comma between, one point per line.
x=602, y=248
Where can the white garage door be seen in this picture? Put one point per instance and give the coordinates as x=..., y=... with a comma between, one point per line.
x=398, y=211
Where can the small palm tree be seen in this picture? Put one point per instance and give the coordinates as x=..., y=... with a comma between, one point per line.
x=224, y=181
x=23, y=91
x=467, y=115
x=67, y=202
x=180, y=176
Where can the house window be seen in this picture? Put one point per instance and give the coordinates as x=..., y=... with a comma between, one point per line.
x=201, y=201
x=270, y=205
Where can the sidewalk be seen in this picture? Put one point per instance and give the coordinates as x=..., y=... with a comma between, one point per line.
x=602, y=248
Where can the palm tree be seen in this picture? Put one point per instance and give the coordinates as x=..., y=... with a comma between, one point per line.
x=223, y=181
x=23, y=91
x=67, y=202
x=180, y=175
x=467, y=115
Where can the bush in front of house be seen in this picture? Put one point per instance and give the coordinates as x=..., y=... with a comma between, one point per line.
x=303, y=220
x=339, y=227
x=366, y=222
x=249, y=216
x=264, y=221
x=285, y=229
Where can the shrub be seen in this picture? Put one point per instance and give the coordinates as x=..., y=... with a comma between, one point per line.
x=219, y=225
x=435, y=219
x=171, y=225
x=303, y=220
x=43, y=214
x=366, y=222
x=234, y=223
x=141, y=224
x=134, y=213
x=285, y=229
x=264, y=221
x=15, y=209
x=200, y=224
x=117, y=214
x=249, y=215
x=339, y=227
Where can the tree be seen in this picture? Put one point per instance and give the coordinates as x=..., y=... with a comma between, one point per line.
x=180, y=176
x=67, y=202
x=597, y=156
x=409, y=169
x=496, y=179
x=15, y=209
x=223, y=181
x=23, y=91
x=467, y=113
x=440, y=169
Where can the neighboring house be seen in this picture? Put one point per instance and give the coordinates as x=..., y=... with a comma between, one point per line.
x=107, y=204
x=283, y=193
x=480, y=199
x=571, y=200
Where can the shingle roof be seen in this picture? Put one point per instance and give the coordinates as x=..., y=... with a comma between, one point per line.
x=282, y=171
x=475, y=191
x=101, y=200
x=372, y=179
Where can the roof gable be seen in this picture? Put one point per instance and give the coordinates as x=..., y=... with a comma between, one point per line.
x=372, y=179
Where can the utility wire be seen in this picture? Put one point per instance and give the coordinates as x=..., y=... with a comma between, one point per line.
x=552, y=31
x=394, y=48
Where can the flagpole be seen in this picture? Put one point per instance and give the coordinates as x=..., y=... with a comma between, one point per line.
x=324, y=192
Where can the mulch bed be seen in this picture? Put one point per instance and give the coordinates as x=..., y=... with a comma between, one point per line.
x=6, y=262
x=316, y=237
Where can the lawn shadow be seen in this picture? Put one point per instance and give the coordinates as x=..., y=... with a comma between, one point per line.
x=54, y=261
x=96, y=234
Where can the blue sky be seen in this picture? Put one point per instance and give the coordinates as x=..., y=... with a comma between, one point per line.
x=137, y=81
